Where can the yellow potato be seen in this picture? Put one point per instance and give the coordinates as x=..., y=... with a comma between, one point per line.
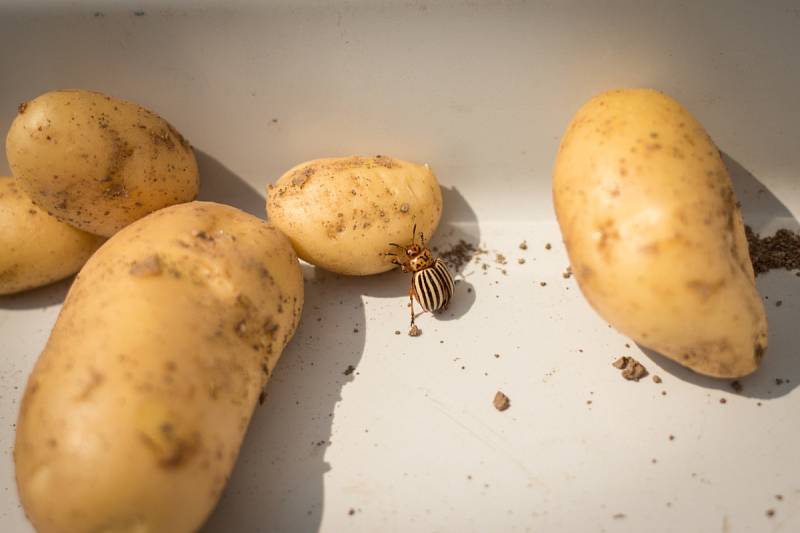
x=654, y=233
x=96, y=162
x=35, y=248
x=341, y=213
x=134, y=414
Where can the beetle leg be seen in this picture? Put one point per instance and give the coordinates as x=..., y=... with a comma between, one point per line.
x=411, y=304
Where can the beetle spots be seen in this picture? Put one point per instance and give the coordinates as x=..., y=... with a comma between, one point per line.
x=653, y=147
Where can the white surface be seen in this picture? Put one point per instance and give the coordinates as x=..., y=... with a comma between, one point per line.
x=482, y=91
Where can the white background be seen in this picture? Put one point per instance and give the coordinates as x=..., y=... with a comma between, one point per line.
x=482, y=91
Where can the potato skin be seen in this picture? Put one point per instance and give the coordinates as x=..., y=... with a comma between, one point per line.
x=134, y=414
x=36, y=248
x=341, y=213
x=97, y=162
x=654, y=233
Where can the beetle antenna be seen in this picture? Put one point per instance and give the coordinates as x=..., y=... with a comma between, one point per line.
x=390, y=253
x=422, y=238
x=393, y=244
x=413, y=233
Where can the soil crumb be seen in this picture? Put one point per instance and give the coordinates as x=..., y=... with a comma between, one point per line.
x=523, y=245
x=781, y=250
x=632, y=370
x=414, y=331
x=656, y=378
x=349, y=370
x=501, y=401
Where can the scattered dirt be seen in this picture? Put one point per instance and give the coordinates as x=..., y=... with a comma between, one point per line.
x=460, y=254
x=500, y=259
x=770, y=513
x=656, y=378
x=632, y=370
x=723, y=400
x=567, y=273
x=501, y=401
x=351, y=512
x=736, y=386
x=414, y=331
x=548, y=246
x=397, y=332
x=523, y=245
x=521, y=260
x=349, y=370
x=781, y=250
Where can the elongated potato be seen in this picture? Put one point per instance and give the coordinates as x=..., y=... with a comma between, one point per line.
x=35, y=248
x=654, y=234
x=133, y=416
x=96, y=162
x=341, y=213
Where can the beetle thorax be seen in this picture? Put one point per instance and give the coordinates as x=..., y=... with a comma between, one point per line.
x=421, y=262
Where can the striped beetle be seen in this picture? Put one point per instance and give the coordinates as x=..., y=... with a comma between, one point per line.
x=431, y=282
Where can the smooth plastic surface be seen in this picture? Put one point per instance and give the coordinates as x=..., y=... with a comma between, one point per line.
x=409, y=440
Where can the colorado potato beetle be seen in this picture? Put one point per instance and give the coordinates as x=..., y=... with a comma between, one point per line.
x=431, y=282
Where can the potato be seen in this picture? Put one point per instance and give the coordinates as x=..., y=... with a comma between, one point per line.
x=341, y=213
x=36, y=248
x=654, y=233
x=96, y=162
x=134, y=413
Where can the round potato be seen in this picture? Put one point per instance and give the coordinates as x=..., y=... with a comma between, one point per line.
x=36, y=248
x=135, y=411
x=654, y=233
x=96, y=162
x=341, y=213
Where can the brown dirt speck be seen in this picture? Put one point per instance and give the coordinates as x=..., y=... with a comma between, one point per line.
x=736, y=386
x=656, y=378
x=632, y=370
x=414, y=331
x=349, y=370
x=523, y=245
x=501, y=402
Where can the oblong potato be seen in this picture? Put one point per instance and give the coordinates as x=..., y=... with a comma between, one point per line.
x=96, y=162
x=341, y=213
x=654, y=233
x=133, y=416
x=35, y=248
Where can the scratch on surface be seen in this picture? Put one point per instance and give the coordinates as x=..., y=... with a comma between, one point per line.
x=493, y=446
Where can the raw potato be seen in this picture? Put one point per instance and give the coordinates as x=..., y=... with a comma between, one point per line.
x=133, y=416
x=96, y=162
x=35, y=248
x=341, y=213
x=654, y=233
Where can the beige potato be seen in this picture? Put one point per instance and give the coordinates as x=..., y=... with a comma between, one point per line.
x=654, y=233
x=134, y=414
x=341, y=213
x=35, y=248
x=96, y=162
